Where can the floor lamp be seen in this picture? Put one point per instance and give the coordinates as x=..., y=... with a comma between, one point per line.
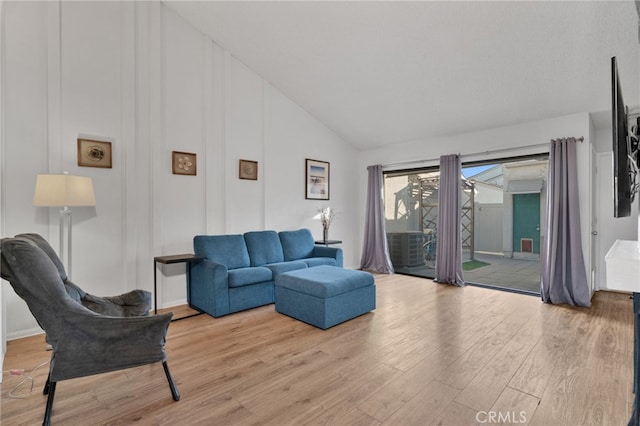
x=64, y=191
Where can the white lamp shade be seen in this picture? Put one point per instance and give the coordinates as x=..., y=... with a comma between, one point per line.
x=63, y=191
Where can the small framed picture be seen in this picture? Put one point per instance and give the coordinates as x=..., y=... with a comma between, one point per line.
x=94, y=153
x=183, y=163
x=316, y=180
x=248, y=170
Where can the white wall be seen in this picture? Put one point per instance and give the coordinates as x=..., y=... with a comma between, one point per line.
x=244, y=140
x=136, y=74
x=608, y=227
x=24, y=133
x=3, y=327
x=292, y=135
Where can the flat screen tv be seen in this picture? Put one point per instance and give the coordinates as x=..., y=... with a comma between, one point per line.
x=624, y=151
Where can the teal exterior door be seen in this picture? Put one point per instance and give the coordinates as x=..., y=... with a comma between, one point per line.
x=526, y=222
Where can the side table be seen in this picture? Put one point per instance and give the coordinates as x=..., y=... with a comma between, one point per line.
x=327, y=242
x=166, y=260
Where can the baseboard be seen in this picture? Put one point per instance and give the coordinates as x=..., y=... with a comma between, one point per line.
x=173, y=303
x=24, y=333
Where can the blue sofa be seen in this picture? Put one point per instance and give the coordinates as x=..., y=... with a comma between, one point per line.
x=239, y=271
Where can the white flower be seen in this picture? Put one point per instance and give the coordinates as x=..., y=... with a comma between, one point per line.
x=326, y=216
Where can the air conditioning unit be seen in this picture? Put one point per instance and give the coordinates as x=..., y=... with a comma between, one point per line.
x=405, y=248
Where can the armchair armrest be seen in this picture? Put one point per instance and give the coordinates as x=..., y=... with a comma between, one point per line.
x=334, y=252
x=133, y=303
x=209, y=287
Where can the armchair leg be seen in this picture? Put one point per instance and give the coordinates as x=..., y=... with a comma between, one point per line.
x=172, y=385
x=47, y=384
x=49, y=408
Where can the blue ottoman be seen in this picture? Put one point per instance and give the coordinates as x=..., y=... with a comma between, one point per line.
x=324, y=296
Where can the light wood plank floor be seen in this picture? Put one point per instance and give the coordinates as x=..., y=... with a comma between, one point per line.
x=428, y=355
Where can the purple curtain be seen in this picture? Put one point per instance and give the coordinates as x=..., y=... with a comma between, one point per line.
x=449, y=238
x=564, y=277
x=375, y=253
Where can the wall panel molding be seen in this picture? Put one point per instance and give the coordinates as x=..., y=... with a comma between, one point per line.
x=3, y=226
x=130, y=183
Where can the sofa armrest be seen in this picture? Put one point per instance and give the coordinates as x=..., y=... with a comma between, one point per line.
x=334, y=252
x=209, y=287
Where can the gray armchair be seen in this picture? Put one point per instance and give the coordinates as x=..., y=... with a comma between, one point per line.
x=84, y=341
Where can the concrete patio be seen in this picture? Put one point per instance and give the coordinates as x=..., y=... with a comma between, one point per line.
x=521, y=274
x=502, y=272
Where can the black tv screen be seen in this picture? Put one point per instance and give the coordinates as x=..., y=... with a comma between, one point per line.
x=622, y=196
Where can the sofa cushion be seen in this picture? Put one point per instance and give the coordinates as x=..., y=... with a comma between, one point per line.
x=228, y=250
x=297, y=244
x=282, y=267
x=264, y=247
x=247, y=276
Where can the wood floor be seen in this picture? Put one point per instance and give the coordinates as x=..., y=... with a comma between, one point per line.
x=428, y=355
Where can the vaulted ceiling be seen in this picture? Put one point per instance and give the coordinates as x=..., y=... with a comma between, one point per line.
x=383, y=72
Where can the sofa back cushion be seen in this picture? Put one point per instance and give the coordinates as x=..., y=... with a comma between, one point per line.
x=297, y=244
x=264, y=247
x=228, y=250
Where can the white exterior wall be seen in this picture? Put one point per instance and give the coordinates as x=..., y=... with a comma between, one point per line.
x=488, y=194
x=488, y=212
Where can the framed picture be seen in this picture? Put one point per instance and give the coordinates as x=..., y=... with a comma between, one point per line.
x=183, y=163
x=94, y=153
x=248, y=170
x=316, y=180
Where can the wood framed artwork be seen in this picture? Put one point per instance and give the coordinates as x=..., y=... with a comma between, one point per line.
x=316, y=180
x=94, y=153
x=184, y=163
x=248, y=170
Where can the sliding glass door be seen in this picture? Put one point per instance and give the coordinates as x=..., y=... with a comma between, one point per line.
x=502, y=212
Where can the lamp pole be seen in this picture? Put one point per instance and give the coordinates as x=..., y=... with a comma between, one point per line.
x=65, y=220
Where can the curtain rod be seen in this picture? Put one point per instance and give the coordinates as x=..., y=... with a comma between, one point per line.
x=580, y=139
x=495, y=151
